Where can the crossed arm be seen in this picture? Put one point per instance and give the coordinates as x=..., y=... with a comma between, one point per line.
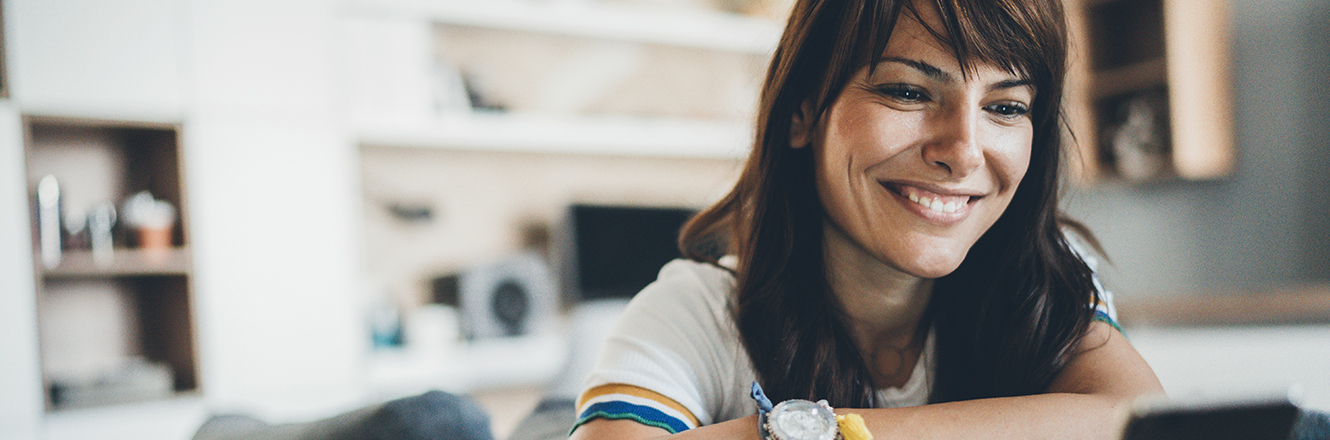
x=1085, y=401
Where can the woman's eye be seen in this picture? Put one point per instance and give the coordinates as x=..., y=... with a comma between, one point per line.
x=1008, y=109
x=903, y=93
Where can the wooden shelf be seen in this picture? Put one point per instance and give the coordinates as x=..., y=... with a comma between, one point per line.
x=1125, y=49
x=523, y=361
x=123, y=263
x=1131, y=78
x=1293, y=305
x=579, y=135
x=103, y=310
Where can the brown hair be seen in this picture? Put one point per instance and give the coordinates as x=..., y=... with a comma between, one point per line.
x=1006, y=318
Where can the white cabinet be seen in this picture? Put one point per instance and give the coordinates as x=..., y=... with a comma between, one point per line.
x=20, y=380
x=97, y=58
x=274, y=185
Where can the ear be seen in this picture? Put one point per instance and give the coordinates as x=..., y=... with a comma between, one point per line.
x=801, y=126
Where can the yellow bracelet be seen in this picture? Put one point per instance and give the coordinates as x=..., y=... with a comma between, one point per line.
x=852, y=427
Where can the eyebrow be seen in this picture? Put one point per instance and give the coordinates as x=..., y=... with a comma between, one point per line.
x=927, y=69
x=1012, y=84
x=937, y=74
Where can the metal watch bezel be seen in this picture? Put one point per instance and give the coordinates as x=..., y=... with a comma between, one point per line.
x=788, y=407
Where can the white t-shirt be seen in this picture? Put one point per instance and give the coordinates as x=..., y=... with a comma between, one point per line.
x=674, y=358
x=677, y=339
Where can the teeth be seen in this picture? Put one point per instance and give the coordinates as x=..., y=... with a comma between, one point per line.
x=937, y=204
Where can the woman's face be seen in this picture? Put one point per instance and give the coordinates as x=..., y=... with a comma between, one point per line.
x=917, y=160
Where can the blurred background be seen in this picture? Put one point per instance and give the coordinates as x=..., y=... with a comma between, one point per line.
x=296, y=208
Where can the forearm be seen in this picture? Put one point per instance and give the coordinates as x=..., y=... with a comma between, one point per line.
x=1042, y=416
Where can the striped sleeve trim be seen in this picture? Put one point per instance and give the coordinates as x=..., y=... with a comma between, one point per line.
x=627, y=402
x=626, y=411
x=1100, y=315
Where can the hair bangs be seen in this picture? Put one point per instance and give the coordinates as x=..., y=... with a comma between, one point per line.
x=1016, y=36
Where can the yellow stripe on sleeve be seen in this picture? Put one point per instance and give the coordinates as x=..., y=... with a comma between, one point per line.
x=635, y=391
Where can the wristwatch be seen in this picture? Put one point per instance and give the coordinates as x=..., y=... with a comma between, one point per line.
x=802, y=420
x=794, y=419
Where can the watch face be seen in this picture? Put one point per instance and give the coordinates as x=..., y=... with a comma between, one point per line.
x=801, y=420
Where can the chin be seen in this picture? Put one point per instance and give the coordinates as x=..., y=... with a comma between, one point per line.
x=933, y=272
x=933, y=266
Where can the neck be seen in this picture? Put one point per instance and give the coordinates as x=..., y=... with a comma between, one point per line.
x=883, y=306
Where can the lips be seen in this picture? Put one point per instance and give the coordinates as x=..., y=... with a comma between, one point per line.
x=934, y=199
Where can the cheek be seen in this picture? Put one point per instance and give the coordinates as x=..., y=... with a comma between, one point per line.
x=1010, y=157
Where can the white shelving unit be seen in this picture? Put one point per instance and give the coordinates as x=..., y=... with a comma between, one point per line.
x=579, y=135
x=403, y=24
x=253, y=86
x=698, y=29
x=523, y=361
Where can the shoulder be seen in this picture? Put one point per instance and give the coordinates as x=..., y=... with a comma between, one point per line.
x=676, y=339
x=1104, y=309
x=687, y=285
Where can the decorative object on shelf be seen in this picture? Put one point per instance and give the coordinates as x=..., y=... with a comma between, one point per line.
x=411, y=212
x=100, y=222
x=134, y=379
x=1138, y=138
x=48, y=220
x=76, y=229
x=385, y=325
x=152, y=220
x=513, y=297
x=450, y=92
x=432, y=328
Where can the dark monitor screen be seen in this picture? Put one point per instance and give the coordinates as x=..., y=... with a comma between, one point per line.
x=620, y=249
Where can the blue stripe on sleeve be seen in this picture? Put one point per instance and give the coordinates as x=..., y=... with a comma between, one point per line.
x=1100, y=315
x=618, y=410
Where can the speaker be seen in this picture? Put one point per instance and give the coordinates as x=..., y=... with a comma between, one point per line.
x=512, y=297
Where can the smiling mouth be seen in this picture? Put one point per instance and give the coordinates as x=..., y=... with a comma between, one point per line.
x=943, y=203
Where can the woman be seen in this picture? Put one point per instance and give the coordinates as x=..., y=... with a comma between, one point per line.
x=896, y=247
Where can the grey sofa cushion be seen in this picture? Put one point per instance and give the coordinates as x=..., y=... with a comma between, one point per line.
x=435, y=415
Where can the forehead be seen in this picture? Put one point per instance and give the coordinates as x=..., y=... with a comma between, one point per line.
x=920, y=35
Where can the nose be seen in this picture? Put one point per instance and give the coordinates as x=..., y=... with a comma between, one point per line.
x=954, y=147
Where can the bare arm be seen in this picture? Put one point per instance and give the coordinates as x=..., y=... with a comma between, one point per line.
x=1084, y=401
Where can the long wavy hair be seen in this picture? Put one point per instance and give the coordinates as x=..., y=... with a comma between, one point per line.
x=1006, y=320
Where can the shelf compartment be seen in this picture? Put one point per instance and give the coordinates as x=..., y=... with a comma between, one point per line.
x=1134, y=77
x=121, y=329
x=1126, y=32
x=101, y=161
x=1123, y=48
x=92, y=330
